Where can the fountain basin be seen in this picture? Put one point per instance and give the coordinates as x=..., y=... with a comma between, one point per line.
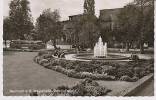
x=110, y=56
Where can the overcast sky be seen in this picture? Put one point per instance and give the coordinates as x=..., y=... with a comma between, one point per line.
x=66, y=7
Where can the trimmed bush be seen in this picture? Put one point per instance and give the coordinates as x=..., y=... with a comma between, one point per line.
x=135, y=78
x=125, y=78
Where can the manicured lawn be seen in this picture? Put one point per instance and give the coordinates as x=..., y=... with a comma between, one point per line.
x=21, y=73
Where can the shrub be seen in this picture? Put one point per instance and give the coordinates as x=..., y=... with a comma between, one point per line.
x=123, y=72
x=63, y=63
x=87, y=80
x=135, y=78
x=86, y=74
x=94, y=83
x=64, y=71
x=58, y=68
x=54, y=62
x=77, y=75
x=95, y=62
x=33, y=94
x=100, y=91
x=49, y=66
x=52, y=67
x=42, y=61
x=109, y=70
x=46, y=56
x=70, y=73
x=103, y=77
x=62, y=87
x=77, y=68
x=137, y=70
x=88, y=87
x=127, y=78
x=70, y=65
x=79, y=90
x=46, y=64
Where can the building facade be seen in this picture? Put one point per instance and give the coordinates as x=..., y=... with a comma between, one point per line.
x=108, y=20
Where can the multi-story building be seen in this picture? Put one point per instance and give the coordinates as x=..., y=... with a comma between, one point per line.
x=108, y=20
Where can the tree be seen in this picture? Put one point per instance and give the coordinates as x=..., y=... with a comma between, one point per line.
x=149, y=24
x=89, y=29
x=142, y=5
x=89, y=34
x=136, y=24
x=89, y=7
x=48, y=27
x=6, y=30
x=20, y=18
x=127, y=26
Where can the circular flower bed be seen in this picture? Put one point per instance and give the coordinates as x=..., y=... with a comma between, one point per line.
x=96, y=70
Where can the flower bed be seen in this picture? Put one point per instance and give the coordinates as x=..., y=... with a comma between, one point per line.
x=86, y=87
x=97, y=70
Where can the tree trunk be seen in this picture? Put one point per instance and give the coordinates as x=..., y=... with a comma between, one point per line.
x=142, y=42
x=141, y=47
x=5, y=42
x=127, y=46
x=54, y=43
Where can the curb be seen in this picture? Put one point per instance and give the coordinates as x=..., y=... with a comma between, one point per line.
x=130, y=91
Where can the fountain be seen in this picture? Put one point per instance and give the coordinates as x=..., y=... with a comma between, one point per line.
x=100, y=49
x=99, y=53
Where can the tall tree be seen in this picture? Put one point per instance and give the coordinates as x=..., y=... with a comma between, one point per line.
x=142, y=6
x=48, y=27
x=127, y=26
x=149, y=24
x=89, y=29
x=89, y=34
x=89, y=7
x=21, y=20
x=136, y=23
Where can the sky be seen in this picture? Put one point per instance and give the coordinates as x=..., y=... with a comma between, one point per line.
x=66, y=7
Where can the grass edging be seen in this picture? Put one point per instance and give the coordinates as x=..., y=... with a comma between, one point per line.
x=136, y=86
